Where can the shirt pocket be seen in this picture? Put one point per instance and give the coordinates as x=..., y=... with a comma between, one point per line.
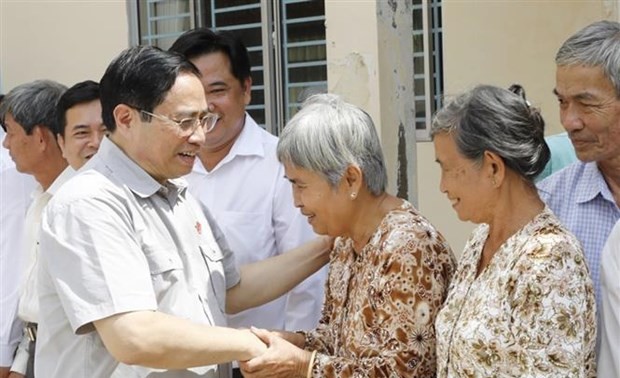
x=166, y=268
x=214, y=261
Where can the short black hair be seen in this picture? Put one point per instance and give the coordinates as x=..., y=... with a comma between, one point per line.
x=202, y=41
x=140, y=77
x=81, y=93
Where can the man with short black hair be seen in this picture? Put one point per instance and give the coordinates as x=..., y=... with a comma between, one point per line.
x=256, y=210
x=80, y=127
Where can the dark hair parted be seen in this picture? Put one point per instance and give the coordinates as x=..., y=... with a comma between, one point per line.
x=202, y=41
x=140, y=77
x=501, y=121
x=33, y=104
x=81, y=93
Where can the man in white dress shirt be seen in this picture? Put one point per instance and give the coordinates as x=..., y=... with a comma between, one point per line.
x=15, y=189
x=609, y=355
x=241, y=182
x=80, y=127
x=28, y=113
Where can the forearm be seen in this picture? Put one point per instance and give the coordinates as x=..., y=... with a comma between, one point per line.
x=158, y=340
x=266, y=280
x=305, y=302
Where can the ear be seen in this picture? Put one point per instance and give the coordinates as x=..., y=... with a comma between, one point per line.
x=61, y=143
x=353, y=178
x=39, y=136
x=124, y=117
x=247, y=90
x=495, y=167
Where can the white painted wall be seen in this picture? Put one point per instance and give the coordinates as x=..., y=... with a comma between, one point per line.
x=66, y=41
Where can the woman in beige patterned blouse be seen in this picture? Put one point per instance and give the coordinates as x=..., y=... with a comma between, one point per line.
x=389, y=268
x=521, y=303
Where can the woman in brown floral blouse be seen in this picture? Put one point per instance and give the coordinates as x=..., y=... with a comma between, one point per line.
x=389, y=268
x=521, y=303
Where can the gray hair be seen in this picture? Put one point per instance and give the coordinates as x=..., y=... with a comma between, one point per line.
x=494, y=119
x=33, y=104
x=327, y=135
x=596, y=45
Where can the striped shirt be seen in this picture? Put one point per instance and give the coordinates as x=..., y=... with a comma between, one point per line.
x=580, y=197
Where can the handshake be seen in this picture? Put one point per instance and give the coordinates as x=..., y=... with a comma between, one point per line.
x=277, y=354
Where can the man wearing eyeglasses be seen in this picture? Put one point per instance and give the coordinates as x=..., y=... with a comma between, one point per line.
x=135, y=276
x=242, y=183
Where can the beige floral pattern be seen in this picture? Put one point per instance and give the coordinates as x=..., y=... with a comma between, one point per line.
x=530, y=313
x=378, y=317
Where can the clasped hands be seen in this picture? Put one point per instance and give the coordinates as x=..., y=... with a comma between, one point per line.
x=282, y=359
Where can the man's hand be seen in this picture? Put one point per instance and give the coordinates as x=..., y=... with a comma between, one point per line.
x=281, y=360
x=15, y=375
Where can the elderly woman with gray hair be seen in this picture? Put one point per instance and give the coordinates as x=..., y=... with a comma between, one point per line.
x=521, y=303
x=389, y=268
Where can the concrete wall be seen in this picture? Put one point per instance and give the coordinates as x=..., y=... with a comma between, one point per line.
x=66, y=41
x=495, y=42
x=500, y=43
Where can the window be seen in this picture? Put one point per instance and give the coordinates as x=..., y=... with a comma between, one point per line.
x=427, y=60
x=287, y=49
x=286, y=44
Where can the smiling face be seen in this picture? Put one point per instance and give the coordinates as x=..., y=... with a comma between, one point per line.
x=589, y=111
x=159, y=146
x=328, y=209
x=83, y=133
x=462, y=180
x=226, y=96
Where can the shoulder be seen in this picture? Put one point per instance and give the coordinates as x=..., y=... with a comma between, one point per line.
x=406, y=230
x=551, y=246
x=88, y=186
x=562, y=179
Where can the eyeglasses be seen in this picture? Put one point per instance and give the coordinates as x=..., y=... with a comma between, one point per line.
x=189, y=125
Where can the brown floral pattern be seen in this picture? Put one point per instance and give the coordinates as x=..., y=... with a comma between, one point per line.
x=380, y=304
x=530, y=313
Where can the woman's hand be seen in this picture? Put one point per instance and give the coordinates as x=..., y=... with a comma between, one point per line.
x=281, y=360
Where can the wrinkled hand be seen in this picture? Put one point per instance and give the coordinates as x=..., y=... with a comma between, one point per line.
x=281, y=360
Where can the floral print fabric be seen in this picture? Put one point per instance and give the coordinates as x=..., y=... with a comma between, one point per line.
x=380, y=304
x=530, y=312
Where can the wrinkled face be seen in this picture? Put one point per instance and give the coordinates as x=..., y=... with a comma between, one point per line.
x=226, y=97
x=328, y=209
x=589, y=111
x=461, y=180
x=83, y=133
x=159, y=146
x=22, y=147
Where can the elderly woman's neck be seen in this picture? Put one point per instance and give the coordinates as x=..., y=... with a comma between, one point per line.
x=369, y=213
x=517, y=204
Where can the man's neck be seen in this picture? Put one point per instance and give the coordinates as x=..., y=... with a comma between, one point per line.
x=611, y=173
x=52, y=169
x=211, y=157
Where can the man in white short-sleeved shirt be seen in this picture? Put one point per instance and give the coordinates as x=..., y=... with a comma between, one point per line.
x=240, y=180
x=135, y=276
x=609, y=355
